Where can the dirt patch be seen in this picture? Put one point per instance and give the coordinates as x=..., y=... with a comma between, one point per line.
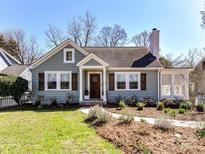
x=141, y=137
x=153, y=112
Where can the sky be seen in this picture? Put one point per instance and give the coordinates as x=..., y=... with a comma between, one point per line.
x=178, y=20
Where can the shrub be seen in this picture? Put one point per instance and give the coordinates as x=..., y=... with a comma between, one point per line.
x=122, y=104
x=171, y=104
x=103, y=117
x=13, y=86
x=69, y=100
x=140, y=106
x=182, y=110
x=185, y=105
x=40, y=107
x=149, y=102
x=172, y=113
x=160, y=106
x=92, y=114
x=200, y=107
x=126, y=119
x=54, y=102
x=163, y=124
x=37, y=103
x=167, y=110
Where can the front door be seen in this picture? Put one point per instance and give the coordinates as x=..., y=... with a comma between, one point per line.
x=95, y=86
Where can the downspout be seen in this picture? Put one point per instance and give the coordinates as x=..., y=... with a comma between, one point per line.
x=158, y=85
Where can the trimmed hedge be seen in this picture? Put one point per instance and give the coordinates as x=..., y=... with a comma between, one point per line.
x=13, y=86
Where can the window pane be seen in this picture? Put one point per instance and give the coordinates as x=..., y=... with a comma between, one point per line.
x=179, y=86
x=69, y=55
x=65, y=78
x=121, y=81
x=133, y=81
x=166, y=85
x=52, y=81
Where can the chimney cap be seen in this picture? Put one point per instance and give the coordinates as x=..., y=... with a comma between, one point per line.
x=154, y=29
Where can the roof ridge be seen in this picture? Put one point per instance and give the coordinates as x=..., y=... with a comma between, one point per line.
x=116, y=47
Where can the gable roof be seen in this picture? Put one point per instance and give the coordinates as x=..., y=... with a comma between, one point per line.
x=92, y=56
x=125, y=56
x=56, y=50
x=8, y=58
x=15, y=70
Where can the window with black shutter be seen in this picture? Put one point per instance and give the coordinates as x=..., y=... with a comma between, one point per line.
x=111, y=81
x=143, y=81
x=74, y=81
x=41, y=81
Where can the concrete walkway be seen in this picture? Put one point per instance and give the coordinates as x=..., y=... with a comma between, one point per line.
x=179, y=123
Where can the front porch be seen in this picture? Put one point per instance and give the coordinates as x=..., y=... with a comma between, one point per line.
x=92, y=85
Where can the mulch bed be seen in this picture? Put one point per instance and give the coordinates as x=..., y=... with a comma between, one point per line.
x=153, y=112
x=142, y=137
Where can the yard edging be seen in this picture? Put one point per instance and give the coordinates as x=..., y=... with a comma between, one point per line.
x=178, y=123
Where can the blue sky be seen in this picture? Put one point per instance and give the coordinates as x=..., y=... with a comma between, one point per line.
x=178, y=20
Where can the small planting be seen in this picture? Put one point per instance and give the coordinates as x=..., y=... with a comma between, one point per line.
x=201, y=132
x=143, y=120
x=200, y=107
x=167, y=110
x=140, y=106
x=37, y=103
x=163, y=124
x=69, y=100
x=40, y=107
x=122, y=104
x=160, y=106
x=185, y=105
x=172, y=113
x=54, y=102
x=92, y=115
x=182, y=110
x=103, y=117
x=126, y=119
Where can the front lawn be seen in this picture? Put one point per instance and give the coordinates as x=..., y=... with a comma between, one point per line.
x=49, y=131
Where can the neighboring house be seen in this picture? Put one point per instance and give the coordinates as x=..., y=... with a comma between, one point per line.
x=103, y=74
x=6, y=59
x=11, y=66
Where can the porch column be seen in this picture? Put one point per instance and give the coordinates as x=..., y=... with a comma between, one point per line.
x=104, y=85
x=81, y=85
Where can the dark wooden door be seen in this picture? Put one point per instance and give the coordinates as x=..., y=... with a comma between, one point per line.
x=94, y=85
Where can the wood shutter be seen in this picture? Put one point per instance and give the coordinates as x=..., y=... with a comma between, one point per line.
x=111, y=81
x=143, y=81
x=74, y=81
x=41, y=81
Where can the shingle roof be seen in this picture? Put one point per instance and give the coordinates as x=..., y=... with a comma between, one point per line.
x=14, y=69
x=124, y=56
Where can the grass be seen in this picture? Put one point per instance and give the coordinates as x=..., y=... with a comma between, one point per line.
x=49, y=131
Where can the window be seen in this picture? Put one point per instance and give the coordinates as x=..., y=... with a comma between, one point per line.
x=52, y=80
x=133, y=81
x=127, y=81
x=58, y=80
x=179, y=86
x=65, y=78
x=166, y=85
x=121, y=81
x=69, y=55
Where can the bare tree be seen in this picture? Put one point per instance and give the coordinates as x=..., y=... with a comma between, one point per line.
x=54, y=36
x=88, y=27
x=75, y=30
x=203, y=19
x=82, y=29
x=111, y=36
x=169, y=60
x=26, y=49
x=141, y=39
x=193, y=56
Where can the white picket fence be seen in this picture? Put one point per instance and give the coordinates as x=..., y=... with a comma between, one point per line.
x=7, y=101
x=200, y=99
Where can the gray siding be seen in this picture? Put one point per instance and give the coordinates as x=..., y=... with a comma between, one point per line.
x=113, y=96
x=92, y=62
x=55, y=63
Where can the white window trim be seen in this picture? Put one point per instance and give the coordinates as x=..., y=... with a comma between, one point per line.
x=127, y=80
x=58, y=80
x=73, y=55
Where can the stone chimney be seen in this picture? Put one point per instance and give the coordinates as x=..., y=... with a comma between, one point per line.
x=154, y=42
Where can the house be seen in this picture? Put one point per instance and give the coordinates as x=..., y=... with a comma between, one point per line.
x=11, y=66
x=105, y=73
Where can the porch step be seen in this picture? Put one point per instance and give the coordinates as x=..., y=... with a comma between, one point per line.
x=92, y=103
